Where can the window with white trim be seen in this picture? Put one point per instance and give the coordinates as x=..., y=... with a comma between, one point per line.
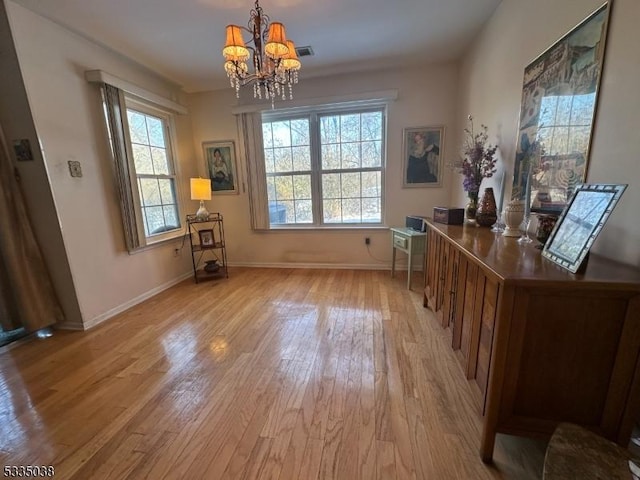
x=149, y=139
x=324, y=167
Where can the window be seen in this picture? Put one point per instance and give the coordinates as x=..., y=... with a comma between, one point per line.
x=325, y=167
x=149, y=138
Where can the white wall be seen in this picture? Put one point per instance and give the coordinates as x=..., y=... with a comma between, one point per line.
x=68, y=116
x=491, y=85
x=426, y=96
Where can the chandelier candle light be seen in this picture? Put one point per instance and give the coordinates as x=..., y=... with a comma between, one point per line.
x=274, y=59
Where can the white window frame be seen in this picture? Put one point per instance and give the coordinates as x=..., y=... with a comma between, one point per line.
x=136, y=104
x=313, y=114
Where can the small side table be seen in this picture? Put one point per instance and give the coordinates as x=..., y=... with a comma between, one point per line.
x=410, y=242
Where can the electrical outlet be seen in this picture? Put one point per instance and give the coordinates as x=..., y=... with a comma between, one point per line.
x=367, y=241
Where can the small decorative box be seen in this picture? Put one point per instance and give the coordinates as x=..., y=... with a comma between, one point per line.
x=450, y=216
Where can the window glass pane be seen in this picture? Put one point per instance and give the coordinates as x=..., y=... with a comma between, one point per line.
x=372, y=154
x=155, y=219
x=302, y=187
x=300, y=132
x=142, y=159
x=289, y=209
x=329, y=129
x=371, y=124
x=331, y=185
x=304, y=212
x=137, y=127
x=167, y=194
x=277, y=213
x=149, y=192
x=371, y=212
x=284, y=188
x=160, y=163
x=170, y=217
x=350, y=128
x=301, y=158
x=351, y=211
x=350, y=185
x=332, y=211
x=268, y=161
x=281, y=134
x=156, y=132
x=282, y=157
x=271, y=189
x=267, y=138
x=371, y=184
x=330, y=157
x=350, y=155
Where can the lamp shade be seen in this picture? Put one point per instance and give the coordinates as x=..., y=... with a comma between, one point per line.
x=235, y=48
x=276, y=46
x=290, y=61
x=200, y=189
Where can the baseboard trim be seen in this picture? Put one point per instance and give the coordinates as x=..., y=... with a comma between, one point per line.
x=329, y=266
x=134, y=301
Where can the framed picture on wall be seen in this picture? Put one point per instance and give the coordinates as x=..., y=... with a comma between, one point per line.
x=220, y=162
x=422, y=156
x=557, y=112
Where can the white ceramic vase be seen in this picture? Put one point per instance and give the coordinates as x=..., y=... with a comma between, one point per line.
x=512, y=218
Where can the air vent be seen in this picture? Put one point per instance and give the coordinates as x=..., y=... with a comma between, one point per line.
x=304, y=51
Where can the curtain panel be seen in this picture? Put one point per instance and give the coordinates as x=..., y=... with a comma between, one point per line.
x=115, y=109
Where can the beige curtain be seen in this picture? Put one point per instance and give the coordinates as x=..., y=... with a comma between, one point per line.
x=27, y=297
x=250, y=128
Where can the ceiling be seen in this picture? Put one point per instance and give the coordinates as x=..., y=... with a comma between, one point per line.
x=182, y=39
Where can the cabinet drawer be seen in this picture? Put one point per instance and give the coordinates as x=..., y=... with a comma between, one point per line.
x=400, y=241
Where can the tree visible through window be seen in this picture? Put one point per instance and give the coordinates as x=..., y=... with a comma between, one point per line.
x=154, y=170
x=325, y=168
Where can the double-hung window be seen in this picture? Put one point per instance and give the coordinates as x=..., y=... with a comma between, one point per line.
x=149, y=135
x=325, y=167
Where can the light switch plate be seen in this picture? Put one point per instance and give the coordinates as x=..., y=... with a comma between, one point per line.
x=75, y=169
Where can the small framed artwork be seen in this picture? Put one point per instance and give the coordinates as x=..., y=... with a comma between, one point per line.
x=206, y=238
x=580, y=224
x=220, y=162
x=422, y=156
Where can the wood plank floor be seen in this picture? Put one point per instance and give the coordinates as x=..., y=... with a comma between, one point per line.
x=280, y=374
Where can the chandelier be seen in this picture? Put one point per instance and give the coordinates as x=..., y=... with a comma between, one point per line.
x=274, y=59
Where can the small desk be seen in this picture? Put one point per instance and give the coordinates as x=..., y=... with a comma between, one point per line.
x=410, y=242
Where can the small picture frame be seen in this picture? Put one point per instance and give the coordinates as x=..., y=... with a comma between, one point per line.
x=580, y=223
x=423, y=151
x=220, y=164
x=206, y=238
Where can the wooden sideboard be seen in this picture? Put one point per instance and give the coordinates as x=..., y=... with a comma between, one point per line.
x=539, y=344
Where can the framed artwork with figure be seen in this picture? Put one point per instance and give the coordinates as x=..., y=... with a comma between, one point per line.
x=422, y=156
x=220, y=162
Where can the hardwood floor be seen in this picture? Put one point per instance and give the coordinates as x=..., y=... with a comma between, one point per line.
x=282, y=374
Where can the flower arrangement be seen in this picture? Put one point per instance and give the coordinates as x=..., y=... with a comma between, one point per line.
x=479, y=160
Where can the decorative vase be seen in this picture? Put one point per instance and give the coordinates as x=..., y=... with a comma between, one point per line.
x=487, y=213
x=513, y=216
x=211, y=266
x=545, y=227
x=471, y=209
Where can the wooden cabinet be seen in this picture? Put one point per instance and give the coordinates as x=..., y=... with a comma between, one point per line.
x=539, y=344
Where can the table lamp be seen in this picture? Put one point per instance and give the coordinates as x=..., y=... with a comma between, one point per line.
x=201, y=190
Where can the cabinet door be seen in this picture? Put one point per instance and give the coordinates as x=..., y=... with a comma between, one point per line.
x=460, y=296
x=431, y=267
x=450, y=287
x=441, y=290
x=468, y=309
x=487, y=322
